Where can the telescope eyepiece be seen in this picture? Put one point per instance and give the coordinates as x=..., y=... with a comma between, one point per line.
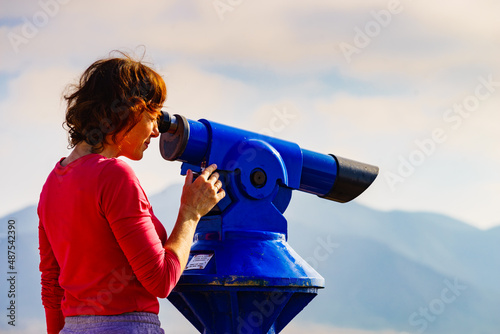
x=167, y=123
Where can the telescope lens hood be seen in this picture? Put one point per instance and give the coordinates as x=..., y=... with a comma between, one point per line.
x=353, y=178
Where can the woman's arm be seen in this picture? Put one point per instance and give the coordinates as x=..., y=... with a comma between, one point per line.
x=197, y=199
x=126, y=208
x=52, y=293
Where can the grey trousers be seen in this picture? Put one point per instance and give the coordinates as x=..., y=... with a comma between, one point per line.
x=127, y=323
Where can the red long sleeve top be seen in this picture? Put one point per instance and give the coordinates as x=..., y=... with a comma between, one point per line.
x=101, y=247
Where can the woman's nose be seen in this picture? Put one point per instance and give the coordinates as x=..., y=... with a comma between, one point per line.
x=155, y=132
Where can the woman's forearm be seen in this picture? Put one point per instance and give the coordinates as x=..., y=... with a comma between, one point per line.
x=181, y=238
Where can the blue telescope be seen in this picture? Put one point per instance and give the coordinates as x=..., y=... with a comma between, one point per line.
x=242, y=276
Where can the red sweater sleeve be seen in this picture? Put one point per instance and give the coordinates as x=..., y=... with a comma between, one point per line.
x=127, y=209
x=52, y=293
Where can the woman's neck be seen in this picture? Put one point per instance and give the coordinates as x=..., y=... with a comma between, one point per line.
x=83, y=149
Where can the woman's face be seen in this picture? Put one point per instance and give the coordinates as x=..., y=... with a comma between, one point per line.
x=136, y=141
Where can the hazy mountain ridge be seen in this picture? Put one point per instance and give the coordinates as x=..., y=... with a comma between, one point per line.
x=432, y=246
x=447, y=245
x=380, y=267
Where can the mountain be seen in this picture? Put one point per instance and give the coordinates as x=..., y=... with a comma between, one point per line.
x=389, y=265
x=389, y=272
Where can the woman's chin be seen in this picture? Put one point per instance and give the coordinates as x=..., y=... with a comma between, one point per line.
x=135, y=156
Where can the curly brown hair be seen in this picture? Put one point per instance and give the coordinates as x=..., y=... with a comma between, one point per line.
x=110, y=97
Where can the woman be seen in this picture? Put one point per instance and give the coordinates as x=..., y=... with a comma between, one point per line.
x=104, y=256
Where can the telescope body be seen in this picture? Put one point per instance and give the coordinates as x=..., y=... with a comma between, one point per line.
x=242, y=275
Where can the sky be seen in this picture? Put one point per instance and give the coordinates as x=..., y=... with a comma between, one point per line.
x=412, y=87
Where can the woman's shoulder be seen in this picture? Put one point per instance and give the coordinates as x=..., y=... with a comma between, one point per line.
x=114, y=166
x=117, y=179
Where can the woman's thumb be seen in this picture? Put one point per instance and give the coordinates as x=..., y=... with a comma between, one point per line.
x=189, y=177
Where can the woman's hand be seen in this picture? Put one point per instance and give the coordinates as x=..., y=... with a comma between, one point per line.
x=201, y=195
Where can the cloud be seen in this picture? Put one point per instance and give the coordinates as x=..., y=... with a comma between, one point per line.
x=32, y=113
x=195, y=93
x=376, y=115
x=281, y=35
x=265, y=56
x=35, y=96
